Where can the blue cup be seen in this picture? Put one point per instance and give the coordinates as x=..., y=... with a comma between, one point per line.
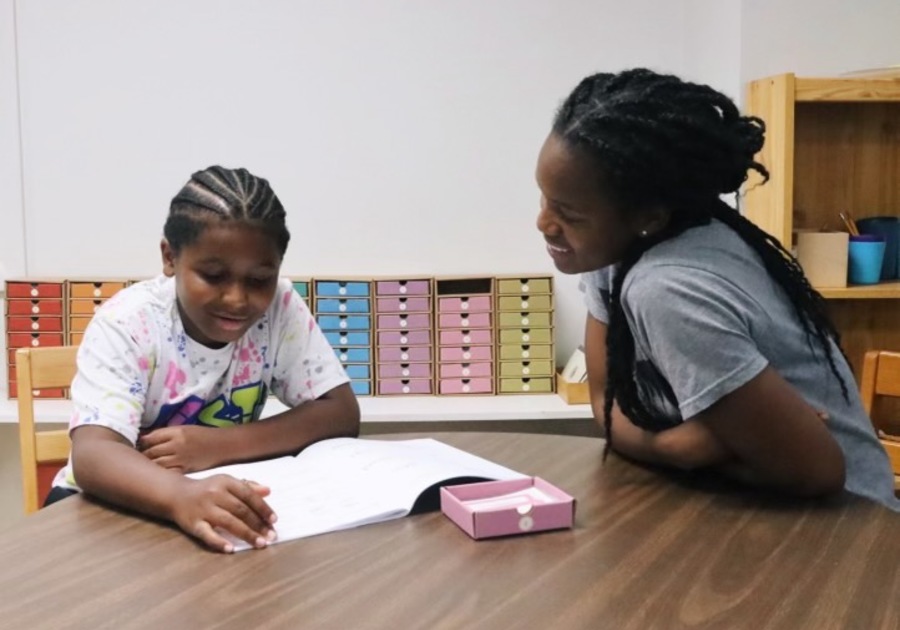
x=865, y=257
x=889, y=228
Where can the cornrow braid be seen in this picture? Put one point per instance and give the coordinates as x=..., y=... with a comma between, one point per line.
x=665, y=142
x=227, y=195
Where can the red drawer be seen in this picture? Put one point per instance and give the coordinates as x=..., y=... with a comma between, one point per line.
x=34, y=307
x=34, y=290
x=37, y=393
x=34, y=324
x=33, y=340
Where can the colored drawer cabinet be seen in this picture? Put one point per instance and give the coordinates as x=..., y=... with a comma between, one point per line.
x=342, y=305
x=32, y=290
x=523, y=320
x=524, y=303
x=465, y=370
x=526, y=385
x=342, y=338
x=403, y=287
x=327, y=288
x=28, y=307
x=94, y=289
x=404, y=370
x=404, y=386
x=466, y=386
x=404, y=337
x=514, y=352
x=404, y=354
x=403, y=305
x=523, y=285
x=478, y=303
x=344, y=322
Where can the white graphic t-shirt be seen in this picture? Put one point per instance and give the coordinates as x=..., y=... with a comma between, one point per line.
x=139, y=371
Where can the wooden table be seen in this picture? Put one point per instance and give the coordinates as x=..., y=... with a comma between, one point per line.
x=648, y=551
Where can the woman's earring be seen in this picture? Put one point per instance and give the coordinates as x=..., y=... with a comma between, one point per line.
x=643, y=233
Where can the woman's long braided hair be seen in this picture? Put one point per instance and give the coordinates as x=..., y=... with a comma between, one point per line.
x=226, y=194
x=666, y=142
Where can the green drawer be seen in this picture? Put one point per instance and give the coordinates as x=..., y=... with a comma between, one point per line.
x=526, y=385
x=524, y=303
x=518, y=352
x=520, y=369
x=524, y=320
x=526, y=335
x=519, y=286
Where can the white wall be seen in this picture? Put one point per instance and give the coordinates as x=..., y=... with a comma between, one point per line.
x=12, y=250
x=818, y=37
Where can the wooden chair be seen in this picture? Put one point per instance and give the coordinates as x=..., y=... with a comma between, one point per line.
x=881, y=377
x=38, y=368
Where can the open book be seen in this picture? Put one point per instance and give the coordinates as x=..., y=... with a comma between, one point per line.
x=346, y=482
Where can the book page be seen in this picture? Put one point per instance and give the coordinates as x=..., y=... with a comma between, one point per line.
x=346, y=482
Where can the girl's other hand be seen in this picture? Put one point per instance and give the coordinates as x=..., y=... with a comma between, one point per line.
x=183, y=448
x=207, y=508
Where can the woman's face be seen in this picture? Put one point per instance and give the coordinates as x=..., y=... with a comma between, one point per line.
x=583, y=229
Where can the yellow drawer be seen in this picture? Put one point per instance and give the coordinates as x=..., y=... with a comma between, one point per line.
x=94, y=289
x=520, y=286
x=524, y=303
x=525, y=336
x=520, y=352
x=526, y=385
x=78, y=324
x=524, y=320
x=522, y=369
x=84, y=307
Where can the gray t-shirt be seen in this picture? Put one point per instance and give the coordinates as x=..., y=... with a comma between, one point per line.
x=707, y=318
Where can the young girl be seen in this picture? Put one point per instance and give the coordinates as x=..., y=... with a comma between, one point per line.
x=706, y=346
x=174, y=372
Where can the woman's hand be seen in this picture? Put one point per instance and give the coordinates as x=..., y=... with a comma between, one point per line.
x=214, y=508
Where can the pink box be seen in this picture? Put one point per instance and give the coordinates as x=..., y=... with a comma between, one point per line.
x=463, y=370
x=404, y=370
x=400, y=322
x=402, y=287
x=403, y=304
x=464, y=320
x=503, y=508
x=404, y=338
x=464, y=304
x=465, y=337
x=404, y=354
x=466, y=385
x=466, y=354
x=404, y=386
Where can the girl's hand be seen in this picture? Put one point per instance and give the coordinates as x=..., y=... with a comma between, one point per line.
x=184, y=448
x=208, y=508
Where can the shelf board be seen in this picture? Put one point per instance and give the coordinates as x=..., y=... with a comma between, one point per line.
x=388, y=409
x=847, y=90
x=882, y=290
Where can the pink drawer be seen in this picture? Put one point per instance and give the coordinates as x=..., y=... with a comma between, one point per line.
x=464, y=320
x=466, y=386
x=404, y=338
x=474, y=304
x=401, y=322
x=34, y=324
x=34, y=340
x=466, y=354
x=404, y=370
x=34, y=307
x=466, y=337
x=405, y=386
x=402, y=287
x=403, y=305
x=404, y=354
x=466, y=370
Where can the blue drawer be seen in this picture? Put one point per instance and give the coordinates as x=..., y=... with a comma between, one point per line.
x=342, y=289
x=361, y=388
x=357, y=371
x=344, y=322
x=341, y=305
x=344, y=339
x=353, y=355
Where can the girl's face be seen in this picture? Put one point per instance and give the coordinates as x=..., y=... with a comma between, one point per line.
x=224, y=280
x=584, y=230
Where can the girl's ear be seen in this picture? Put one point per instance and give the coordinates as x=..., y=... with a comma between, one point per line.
x=168, y=258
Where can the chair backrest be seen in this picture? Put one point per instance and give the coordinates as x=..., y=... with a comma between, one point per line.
x=38, y=368
x=881, y=377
